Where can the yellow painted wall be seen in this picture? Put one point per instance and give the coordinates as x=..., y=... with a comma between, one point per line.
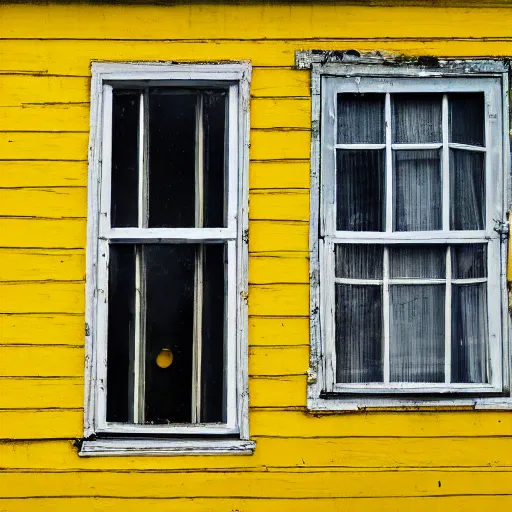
x=453, y=461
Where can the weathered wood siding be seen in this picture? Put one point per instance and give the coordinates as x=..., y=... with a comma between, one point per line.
x=453, y=461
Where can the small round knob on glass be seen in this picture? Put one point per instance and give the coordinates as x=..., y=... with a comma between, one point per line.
x=165, y=358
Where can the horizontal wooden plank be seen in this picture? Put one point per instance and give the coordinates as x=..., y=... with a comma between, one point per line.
x=44, y=202
x=425, y=424
x=277, y=267
x=286, y=391
x=278, y=331
x=74, y=57
x=270, y=484
x=42, y=174
x=279, y=204
x=279, y=145
x=43, y=146
x=50, y=233
x=280, y=83
x=286, y=174
x=282, y=112
x=18, y=90
x=61, y=117
x=395, y=504
x=279, y=300
x=283, y=360
x=41, y=361
x=42, y=297
x=42, y=329
x=42, y=264
x=265, y=236
x=39, y=424
x=41, y=393
x=341, y=452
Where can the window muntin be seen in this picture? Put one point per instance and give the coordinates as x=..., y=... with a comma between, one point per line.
x=208, y=274
x=408, y=172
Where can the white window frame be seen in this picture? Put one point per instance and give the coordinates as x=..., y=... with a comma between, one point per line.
x=233, y=436
x=333, y=72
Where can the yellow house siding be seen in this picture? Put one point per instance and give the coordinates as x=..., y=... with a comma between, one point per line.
x=385, y=461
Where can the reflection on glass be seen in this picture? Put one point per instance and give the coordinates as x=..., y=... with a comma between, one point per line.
x=358, y=333
x=360, y=118
x=469, y=261
x=467, y=190
x=417, y=118
x=417, y=191
x=417, y=333
x=360, y=190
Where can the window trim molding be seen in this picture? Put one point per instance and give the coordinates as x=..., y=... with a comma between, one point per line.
x=103, y=73
x=380, y=64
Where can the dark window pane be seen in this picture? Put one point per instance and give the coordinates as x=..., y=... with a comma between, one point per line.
x=213, y=399
x=360, y=118
x=427, y=262
x=467, y=190
x=358, y=333
x=469, y=261
x=172, y=150
x=469, y=333
x=417, y=118
x=121, y=330
x=125, y=166
x=467, y=118
x=169, y=273
x=360, y=190
x=356, y=261
x=416, y=346
x=417, y=191
x=215, y=159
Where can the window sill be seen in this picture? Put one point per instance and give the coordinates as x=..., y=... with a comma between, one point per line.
x=340, y=405
x=145, y=447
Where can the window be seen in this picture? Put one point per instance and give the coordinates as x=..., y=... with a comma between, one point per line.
x=408, y=297
x=167, y=260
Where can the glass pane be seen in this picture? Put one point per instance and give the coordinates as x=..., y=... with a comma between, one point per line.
x=213, y=389
x=172, y=149
x=417, y=118
x=169, y=275
x=125, y=159
x=360, y=190
x=417, y=261
x=467, y=190
x=215, y=158
x=121, y=331
x=469, y=261
x=355, y=261
x=361, y=118
x=417, y=333
x=469, y=333
x=358, y=333
x=417, y=191
x=467, y=118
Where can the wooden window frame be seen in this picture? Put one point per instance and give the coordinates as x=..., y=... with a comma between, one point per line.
x=100, y=437
x=373, y=72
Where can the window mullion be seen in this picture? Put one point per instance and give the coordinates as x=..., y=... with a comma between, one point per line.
x=448, y=319
x=199, y=278
x=389, y=229
x=139, y=366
